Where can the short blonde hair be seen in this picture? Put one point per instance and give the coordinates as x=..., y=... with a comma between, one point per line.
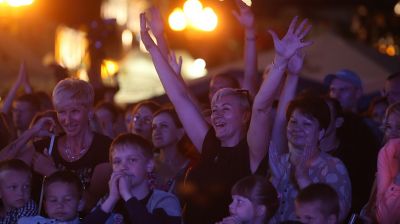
x=241, y=94
x=73, y=89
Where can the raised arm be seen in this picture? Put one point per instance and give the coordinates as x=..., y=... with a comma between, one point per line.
x=246, y=18
x=279, y=129
x=190, y=116
x=13, y=91
x=16, y=148
x=157, y=28
x=258, y=135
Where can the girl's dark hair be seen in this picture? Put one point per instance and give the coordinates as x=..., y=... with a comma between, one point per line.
x=311, y=106
x=153, y=106
x=259, y=191
x=65, y=176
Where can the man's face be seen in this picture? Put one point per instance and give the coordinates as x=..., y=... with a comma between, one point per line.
x=392, y=90
x=346, y=93
x=22, y=114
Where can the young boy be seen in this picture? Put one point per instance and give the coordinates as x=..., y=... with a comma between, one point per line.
x=15, y=191
x=131, y=157
x=317, y=204
x=62, y=199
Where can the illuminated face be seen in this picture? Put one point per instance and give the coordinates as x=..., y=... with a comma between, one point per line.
x=392, y=126
x=345, y=92
x=15, y=189
x=302, y=130
x=165, y=132
x=141, y=122
x=62, y=201
x=243, y=209
x=73, y=117
x=22, y=114
x=227, y=118
x=131, y=161
x=309, y=213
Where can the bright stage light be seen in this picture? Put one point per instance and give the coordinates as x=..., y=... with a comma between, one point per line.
x=18, y=3
x=177, y=20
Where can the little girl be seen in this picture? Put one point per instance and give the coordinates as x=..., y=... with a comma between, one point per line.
x=254, y=201
x=388, y=175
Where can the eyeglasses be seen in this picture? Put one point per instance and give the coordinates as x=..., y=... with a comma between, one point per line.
x=145, y=120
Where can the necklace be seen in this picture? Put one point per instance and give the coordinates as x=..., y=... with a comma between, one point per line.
x=71, y=156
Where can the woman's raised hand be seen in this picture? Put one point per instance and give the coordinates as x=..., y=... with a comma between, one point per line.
x=176, y=65
x=245, y=15
x=295, y=63
x=144, y=33
x=156, y=23
x=286, y=47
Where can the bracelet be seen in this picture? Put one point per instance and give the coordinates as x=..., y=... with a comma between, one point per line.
x=278, y=67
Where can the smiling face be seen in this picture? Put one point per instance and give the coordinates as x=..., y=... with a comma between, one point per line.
x=228, y=118
x=141, y=122
x=62, y=201
x=302, y=130
x=73, y=117
x=131, y=161
x=15, y=188
x=165, y=131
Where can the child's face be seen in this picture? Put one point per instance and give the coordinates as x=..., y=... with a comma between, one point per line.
x=309, y=213
x=15, y=188
x=242, y=208
x=62, y=201
x=131, y=161
x=392, y=126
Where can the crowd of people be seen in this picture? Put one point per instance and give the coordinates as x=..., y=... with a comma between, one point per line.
x=257, y=153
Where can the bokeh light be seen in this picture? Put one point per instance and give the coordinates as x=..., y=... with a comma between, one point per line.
x=127, y=38
x=397, y=9
x=193, y=15
x=18, y=3
x=177, y=20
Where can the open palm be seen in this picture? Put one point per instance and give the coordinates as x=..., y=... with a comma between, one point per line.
x=293, y=39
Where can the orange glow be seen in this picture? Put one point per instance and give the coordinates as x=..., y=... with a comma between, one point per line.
x=70, y=47
x=109, y=68
x=391, y=50
x=193, y=15
x=18, y=3
x=208, y=21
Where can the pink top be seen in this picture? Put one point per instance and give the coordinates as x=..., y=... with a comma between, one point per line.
x=388, y=192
